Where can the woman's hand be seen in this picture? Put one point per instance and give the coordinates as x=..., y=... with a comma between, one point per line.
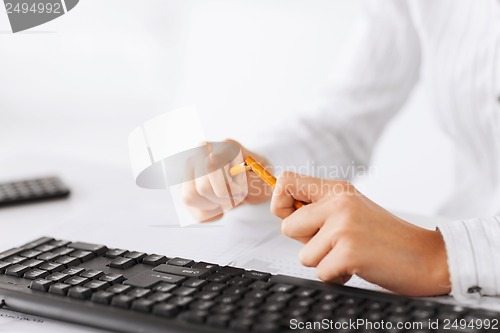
x=207, y=196
x=345, y=233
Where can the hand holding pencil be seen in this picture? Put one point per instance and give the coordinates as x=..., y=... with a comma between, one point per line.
x=206, y=197
x=251, y=165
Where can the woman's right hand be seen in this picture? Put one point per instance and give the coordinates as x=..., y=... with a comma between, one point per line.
x=207, y=196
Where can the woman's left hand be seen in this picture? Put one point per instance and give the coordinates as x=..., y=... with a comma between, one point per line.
x=345, y=233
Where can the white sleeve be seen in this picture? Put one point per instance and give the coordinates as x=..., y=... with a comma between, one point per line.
x=473, y=249
x=374, y=77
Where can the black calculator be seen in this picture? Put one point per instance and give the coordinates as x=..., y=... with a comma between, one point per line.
x=32, y=190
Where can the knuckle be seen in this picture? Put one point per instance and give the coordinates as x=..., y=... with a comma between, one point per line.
x=324, y=273
x=306, y=259
x=189, y=198
x=287, y=229
x=204, y=188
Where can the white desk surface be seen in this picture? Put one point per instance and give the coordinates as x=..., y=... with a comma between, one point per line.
x=107, y=208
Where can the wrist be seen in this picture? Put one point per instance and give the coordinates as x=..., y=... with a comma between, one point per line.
x=439, y=272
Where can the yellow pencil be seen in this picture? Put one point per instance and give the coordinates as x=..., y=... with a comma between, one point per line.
x=251, y=165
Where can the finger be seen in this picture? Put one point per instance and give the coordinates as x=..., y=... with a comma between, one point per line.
x=205, y=189
x=316, y=248
x=222, y=183
x=192, y=198
x=299, y=187
x=336, y=266
x=303, y=223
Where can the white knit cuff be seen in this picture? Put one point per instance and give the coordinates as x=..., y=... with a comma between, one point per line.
x=473, y=249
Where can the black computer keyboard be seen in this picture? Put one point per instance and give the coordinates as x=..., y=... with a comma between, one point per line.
x=130, y=291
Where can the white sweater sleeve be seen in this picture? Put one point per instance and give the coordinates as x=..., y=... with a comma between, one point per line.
x=473, y=248
x=372, y=80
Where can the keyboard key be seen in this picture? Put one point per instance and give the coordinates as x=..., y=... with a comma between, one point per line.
x=184, y=291
x=136, y=256
x=224, y=308
x=113, y=253
x=102, y=297
x=122, y=263
x=16, y=270
x=33, y=263
x=3, y=266
x=16, y=259
x=206, y=265
x=81, y=255
x=48, y=256
x=96, y=249
x=180, y=262
x=279, y=297
x=52, y=267
x=142, y=305
x=166, y=310
x=56, y=277
x=305, y=292
x=233, y=271
x=41, y=285
x=10, y=253
x=216, y=277
x=260, y=285
x=182, y=271
x=302, y=302
x=97, y=285
x=30, y=254
x=164, y=287
x=122, y=301
x=74, y=270
x=79, y=292
x=255, y=275
x=250, y=302
x=35, y=274
x=76, y=281
x=150, y=279
x=63, y=251
x=112, y=278
x=240, y=281
x=194, y=283
x=59, y=289
x=257, y=293
x=206, y=295
x=92, y=274
x=45, y=248
x=159, y=297
x=236, y=290
x=59, y=243
x=139, y=292
x=201, y=305
x=228, y=299
x=282, y=288
x=218, y=287
x=68, y=261
x=181, y=301
x=154, y=260
x=38, y=242
x=118, y=288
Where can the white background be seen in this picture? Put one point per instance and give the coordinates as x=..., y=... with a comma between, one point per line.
x=78, y=85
